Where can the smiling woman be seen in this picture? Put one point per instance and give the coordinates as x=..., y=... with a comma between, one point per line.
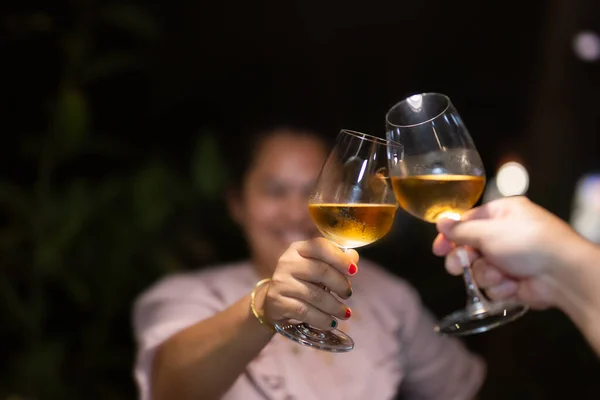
x=210, y=335
x=271, y=202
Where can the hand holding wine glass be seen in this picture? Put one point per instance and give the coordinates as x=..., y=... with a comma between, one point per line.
x=442, y=175
x=352, y=205
x=522, y=250
x=295, y=291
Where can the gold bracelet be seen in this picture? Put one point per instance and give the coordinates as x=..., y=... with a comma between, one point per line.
x=256, y=315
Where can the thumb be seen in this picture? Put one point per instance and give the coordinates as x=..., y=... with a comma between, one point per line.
x=469, y=233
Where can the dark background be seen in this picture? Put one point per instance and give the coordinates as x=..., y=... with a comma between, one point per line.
x=113, y=114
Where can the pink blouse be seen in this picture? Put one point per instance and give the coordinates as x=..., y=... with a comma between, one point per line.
x=395, y=345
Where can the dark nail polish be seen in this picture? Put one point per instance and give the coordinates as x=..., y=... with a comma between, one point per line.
x=333, y=323
x=349, y=292
x=352, y=269
x=348, y=313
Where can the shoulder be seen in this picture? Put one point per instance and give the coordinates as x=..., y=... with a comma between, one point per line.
x=198, y=284
x=180, y=299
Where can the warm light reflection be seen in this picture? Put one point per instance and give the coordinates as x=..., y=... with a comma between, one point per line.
x=512, y=179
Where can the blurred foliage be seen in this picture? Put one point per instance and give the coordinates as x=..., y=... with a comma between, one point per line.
x=75, y=250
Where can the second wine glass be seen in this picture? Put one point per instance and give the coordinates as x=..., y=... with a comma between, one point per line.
x=352, y=205
x=442, y=175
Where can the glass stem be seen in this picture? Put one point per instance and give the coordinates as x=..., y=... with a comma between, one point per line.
x=476, y=301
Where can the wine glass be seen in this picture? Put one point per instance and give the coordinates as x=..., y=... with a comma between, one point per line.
x=352, y=205
x=442, y=175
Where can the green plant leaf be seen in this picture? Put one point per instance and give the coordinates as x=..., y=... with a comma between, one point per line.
x=132, y=19
x=40, y=22
x=69, y=214
x=107, y=192
x=37, y=370
x=70, y=120
x=151, y=196
x=11, y=237
x=30, y=146
x=18, y=202
x=13, y=302
x=76, y=288
x=208, y=172
x=110, y=64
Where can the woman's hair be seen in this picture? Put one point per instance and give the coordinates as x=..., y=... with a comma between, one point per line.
x=241, y=143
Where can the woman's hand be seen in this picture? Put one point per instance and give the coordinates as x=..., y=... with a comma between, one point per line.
x=297, y=292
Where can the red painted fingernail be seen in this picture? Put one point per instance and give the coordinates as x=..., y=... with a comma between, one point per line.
x=348, y=313
x=352, y=269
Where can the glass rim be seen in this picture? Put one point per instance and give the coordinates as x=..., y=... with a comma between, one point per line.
x=371, y=138
x=387, y=115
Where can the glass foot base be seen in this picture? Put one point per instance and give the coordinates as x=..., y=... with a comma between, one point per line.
x=334, y=341
x=463, y=322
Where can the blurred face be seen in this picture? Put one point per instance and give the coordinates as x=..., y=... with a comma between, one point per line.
x=272, y=207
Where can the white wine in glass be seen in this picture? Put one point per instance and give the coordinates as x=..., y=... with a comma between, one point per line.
x=353, y=225
x=431, y=197
x=352, y=205
x=442, y=175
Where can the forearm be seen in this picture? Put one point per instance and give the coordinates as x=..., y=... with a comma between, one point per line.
x=580, y=290
x=204, y=360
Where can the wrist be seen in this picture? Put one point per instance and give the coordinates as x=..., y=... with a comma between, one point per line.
x=576, y=274
x=257, y=302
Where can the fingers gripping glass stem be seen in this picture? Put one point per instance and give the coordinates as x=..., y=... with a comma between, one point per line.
x=334, y=341
x=480, y=314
